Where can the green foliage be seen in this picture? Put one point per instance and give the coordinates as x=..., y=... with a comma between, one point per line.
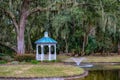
x=3, y=62
x=5, y=57
x=91, y=46
x=70, y=22
x=6, y=51
x=47, y=61
x=15, y=62
x=1, y=54
x=25, y=57
x=34, y=61
x=55, y=60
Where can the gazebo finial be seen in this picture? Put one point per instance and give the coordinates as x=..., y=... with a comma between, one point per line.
x=45, y=34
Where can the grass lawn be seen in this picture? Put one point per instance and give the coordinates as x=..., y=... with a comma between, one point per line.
x=102, y=59
x=97, y=59
x=40, y=70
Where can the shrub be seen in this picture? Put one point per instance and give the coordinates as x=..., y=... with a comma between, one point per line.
x=5, y=57
x=46, y=61
x=51, y=61
x=1, y=55
x=3, y=62
x=23, y=62
x=34, y=61
x=15, y=62
x=25, y=57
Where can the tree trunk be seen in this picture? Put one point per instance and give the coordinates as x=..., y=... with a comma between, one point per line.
x=119, y=48
x=20, y=35
x=66, y=46
x=83, y=46
x=29, y=44
x=20, y=42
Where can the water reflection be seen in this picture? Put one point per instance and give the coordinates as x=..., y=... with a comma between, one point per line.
x=102, y=75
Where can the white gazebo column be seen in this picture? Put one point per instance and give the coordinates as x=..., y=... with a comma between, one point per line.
x=49, y=52
x=37, y=55
x=42, y=53
x=55, y=51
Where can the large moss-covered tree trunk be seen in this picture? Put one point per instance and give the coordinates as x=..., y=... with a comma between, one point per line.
x=21, y=29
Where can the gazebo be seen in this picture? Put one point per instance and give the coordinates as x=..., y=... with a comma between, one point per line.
x=41, y=43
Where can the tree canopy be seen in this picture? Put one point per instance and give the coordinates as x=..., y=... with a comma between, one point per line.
x=80, y=26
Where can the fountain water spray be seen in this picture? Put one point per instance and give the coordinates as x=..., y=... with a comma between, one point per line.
x=78, y=60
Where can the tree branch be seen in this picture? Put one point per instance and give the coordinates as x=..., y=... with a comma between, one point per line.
x=35, y=10
x=55, y=3
x=9, y=46
x=29, y=12
x=11, y=15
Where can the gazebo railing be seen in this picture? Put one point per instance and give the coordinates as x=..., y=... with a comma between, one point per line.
x=45, y=57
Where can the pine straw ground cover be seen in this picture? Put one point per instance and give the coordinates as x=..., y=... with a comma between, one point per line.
x=39, y=70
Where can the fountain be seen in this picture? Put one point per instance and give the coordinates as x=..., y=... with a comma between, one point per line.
x=79, y=60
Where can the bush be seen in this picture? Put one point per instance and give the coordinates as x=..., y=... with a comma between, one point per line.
x=25, y=57
x=46, y=61
x=15, y=62
x=3, y=62
x=34, y=61
x=51, y=61
x=5, y=57
x=1, y=55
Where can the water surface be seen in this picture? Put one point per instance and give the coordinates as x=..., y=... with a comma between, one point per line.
x=102, y=73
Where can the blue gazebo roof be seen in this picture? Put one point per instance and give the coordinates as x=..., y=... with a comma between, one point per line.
x=46, y=40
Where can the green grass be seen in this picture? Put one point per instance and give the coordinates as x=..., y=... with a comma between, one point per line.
x=51, y=70
x=112, y=67
x=97, y=59
x=102, y=59
x=60, y=58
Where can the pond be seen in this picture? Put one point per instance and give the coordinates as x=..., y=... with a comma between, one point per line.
x=102, y=72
